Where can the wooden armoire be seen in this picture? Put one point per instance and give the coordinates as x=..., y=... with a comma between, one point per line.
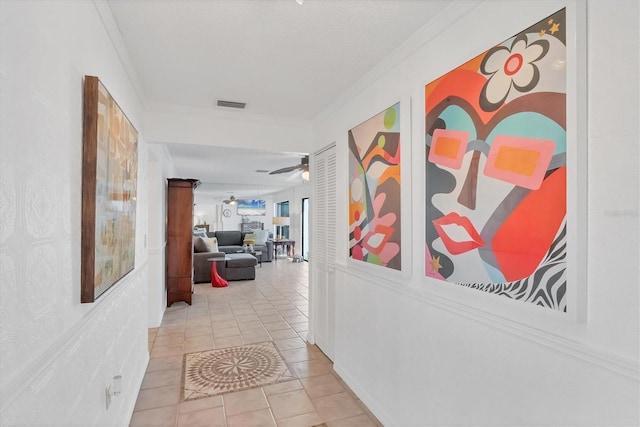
x=179, y=251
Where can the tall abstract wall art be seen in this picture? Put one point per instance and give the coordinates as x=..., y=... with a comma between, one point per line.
x=109, y=181
x=374, y=190
x=496, y=169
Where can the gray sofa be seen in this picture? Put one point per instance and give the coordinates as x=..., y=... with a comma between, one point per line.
x=230, y=242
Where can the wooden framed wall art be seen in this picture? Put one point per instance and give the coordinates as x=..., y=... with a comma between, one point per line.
x=109, y=180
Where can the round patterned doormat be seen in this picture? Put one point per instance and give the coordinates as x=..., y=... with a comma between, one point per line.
x=208, y=373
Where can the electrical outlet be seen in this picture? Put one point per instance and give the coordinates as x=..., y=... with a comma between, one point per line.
x=107, y=392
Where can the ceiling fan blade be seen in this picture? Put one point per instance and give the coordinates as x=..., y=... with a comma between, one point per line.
x=285, y=170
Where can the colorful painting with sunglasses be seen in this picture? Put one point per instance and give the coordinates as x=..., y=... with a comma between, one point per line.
x=496, y=169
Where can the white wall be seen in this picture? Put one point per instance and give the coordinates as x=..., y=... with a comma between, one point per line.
x=58, y=354
x=160, y=168
x=419, y=352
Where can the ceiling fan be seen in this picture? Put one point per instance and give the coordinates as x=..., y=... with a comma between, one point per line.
x=303, y=166
x=230, y=201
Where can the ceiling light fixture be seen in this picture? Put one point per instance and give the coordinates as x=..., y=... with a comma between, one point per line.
x=299, y=1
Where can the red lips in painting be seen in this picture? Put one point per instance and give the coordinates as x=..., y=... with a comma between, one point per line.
x=453, y=244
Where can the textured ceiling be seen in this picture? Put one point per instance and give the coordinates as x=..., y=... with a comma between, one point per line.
x=283, y=59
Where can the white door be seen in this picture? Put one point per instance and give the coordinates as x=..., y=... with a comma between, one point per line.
x=323, y=254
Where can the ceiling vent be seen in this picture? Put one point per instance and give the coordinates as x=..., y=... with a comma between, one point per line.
x=232, y=104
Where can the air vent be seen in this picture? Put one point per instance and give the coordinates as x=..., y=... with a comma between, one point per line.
x=232, y=104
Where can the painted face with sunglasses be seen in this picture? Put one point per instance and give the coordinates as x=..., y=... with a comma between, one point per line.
x=496, y=167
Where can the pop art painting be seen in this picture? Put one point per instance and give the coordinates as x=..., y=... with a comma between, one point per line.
x=495, y=135
x=374, y=190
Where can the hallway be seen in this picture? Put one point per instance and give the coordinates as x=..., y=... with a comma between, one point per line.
x=271, y=309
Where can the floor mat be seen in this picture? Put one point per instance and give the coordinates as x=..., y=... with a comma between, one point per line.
x=225, y=370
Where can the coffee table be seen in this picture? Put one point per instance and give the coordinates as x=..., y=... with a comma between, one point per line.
x=216, y=280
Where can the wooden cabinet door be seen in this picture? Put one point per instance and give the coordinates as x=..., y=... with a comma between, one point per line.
x=179, y=252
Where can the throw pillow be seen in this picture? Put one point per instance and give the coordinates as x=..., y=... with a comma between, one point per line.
x=200, y=232
x=199, y=245
x=212, y=244
x=261, y=236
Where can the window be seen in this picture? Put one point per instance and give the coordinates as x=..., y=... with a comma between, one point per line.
x=282, y=210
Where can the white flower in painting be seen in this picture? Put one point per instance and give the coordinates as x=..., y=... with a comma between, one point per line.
x=508, y=68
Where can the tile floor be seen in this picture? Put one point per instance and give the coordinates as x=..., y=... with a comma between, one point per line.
x=274, y=307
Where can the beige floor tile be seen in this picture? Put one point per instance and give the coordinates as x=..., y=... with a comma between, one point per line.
x=165, y=417
x=282, y=387
x=322, y=385
x=311, y=368
x=169, y=320
x=213, y=417
x=161, y=378
x=200, y=343
x=162, y=363
x=166, y=350
x=310, y=419
x=276, y=326
x=221, y=317
x=337, y=406
x=267, y=312
x=197, y=331
x=200, y=404
x=283, y=333
x=171, y=330
x=224, y=324
x=269, y=318
x=290, y=404
x=243, y=312
x=247, y=318
x=299, y=318
x=174, y=339
x=228, y=342
x=226, y=332
x=244, y=401
x=299, y=354
x=357, y=421
x=289, y=343
x=158, y=397
x=251, y=324
x=300, y=327
x=262, y=418
x=198, y=322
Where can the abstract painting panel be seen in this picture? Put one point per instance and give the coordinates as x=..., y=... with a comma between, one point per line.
x=110, y=169
x=374, y=190
x=496, y=169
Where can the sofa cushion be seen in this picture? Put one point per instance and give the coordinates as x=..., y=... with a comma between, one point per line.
x=261, y=236
x=229, y=238
x=199, y=245
x=212, y=244
x=240, y=260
